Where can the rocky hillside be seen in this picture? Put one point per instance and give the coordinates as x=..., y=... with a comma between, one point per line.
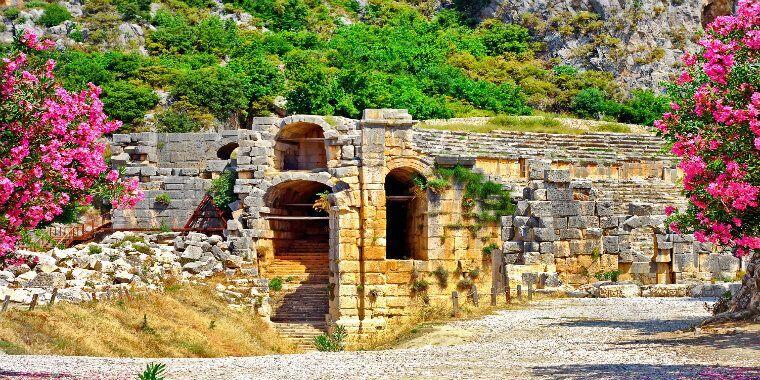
x=639, y=41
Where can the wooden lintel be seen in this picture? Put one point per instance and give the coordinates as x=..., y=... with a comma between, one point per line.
x=399, y=197
x=274, y=217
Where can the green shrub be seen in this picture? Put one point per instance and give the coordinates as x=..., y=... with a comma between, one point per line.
x=442, y=275
x=275, y=284
x=420, y=285
x=500, y=38
x=153, y=371
x=608, y=276
x=644, y=107
x=217, y=89
x=11, y=13
x=493, y=200
x=94, y=249
x=36, y=4
x=223, y=189
x=332, y=342
x=54, y=14
x=128, y=102
x=590, y=103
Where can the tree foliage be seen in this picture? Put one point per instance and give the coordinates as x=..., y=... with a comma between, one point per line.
x=713, y=127
x=52, y=156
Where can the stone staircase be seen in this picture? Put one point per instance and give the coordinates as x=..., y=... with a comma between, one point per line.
x=299, y=308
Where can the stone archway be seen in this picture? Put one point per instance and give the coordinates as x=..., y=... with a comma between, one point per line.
x=299, y=234
x=293, y=217
x=300, y=146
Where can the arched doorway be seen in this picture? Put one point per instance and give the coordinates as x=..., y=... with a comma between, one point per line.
x=300, y=240
x=300, y=146
x=228, y=151
x=405, y=216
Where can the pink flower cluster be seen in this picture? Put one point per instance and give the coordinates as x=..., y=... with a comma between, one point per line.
x=714, y=128
x=53, y=148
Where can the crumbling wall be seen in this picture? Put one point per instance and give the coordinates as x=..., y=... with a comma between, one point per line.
x=566, y=227
x=178, y=165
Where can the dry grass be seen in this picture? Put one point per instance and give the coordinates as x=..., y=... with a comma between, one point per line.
x=187, y=321
x=402, y=329
x=536, y=124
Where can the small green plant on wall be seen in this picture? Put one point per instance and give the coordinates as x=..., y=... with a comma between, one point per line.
x=420, y=285
x=491, y=198
x=153, y=371
x=163, y=199
x=608, y=276
x=275, y=284
x=488, y=250
x=332, y=342
x=442, y=275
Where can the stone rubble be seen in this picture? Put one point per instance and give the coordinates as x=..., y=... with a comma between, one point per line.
x=127, y=261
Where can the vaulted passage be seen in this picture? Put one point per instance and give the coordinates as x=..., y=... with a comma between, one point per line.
x=292, y=216
x=406, y=216
x=301, y=245
x=300, y=146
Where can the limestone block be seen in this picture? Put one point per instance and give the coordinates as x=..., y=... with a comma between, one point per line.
x=542, y=208
x=123, y=277
x=611, y=244
x=605, y=208
x=47, y=281
x=586, y=208
x=547, y=247
x=640, y=209
x=557, y=176
x=545, y=234
x=191, y=253
x=592, y=233
x=715, y=290
x=559, y=194
x=559, y=208
x=619, y=291
x=667, y=290
x=570, y=233
x=511, y=247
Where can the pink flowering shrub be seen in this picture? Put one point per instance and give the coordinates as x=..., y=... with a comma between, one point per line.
x=714, y=128
x=52, y=151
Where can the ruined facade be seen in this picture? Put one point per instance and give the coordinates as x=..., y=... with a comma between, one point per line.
x=330, y=206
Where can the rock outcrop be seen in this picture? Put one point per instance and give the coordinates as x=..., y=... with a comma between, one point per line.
x=639, y=41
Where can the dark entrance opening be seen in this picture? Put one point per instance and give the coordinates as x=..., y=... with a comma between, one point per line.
x=294, y=220
x=300, y=238
x=300, y=146
x=406, y=216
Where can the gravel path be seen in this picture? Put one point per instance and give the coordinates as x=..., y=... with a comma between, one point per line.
x=556, y=339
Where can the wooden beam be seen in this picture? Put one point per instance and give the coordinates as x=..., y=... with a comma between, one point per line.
x=273, y=217
x=399, y=198
x=301, y=139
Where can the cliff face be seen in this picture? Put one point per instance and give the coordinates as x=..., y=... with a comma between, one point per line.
x=639, y=41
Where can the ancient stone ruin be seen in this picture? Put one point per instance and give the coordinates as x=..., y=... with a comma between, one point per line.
x=333, y=208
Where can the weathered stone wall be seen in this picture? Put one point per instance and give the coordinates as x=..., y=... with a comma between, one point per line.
x=573, y=219
x=623, y=167
x=566, y=227
x=179, y=165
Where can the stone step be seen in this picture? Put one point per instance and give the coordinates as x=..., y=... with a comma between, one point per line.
x=301, y=334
